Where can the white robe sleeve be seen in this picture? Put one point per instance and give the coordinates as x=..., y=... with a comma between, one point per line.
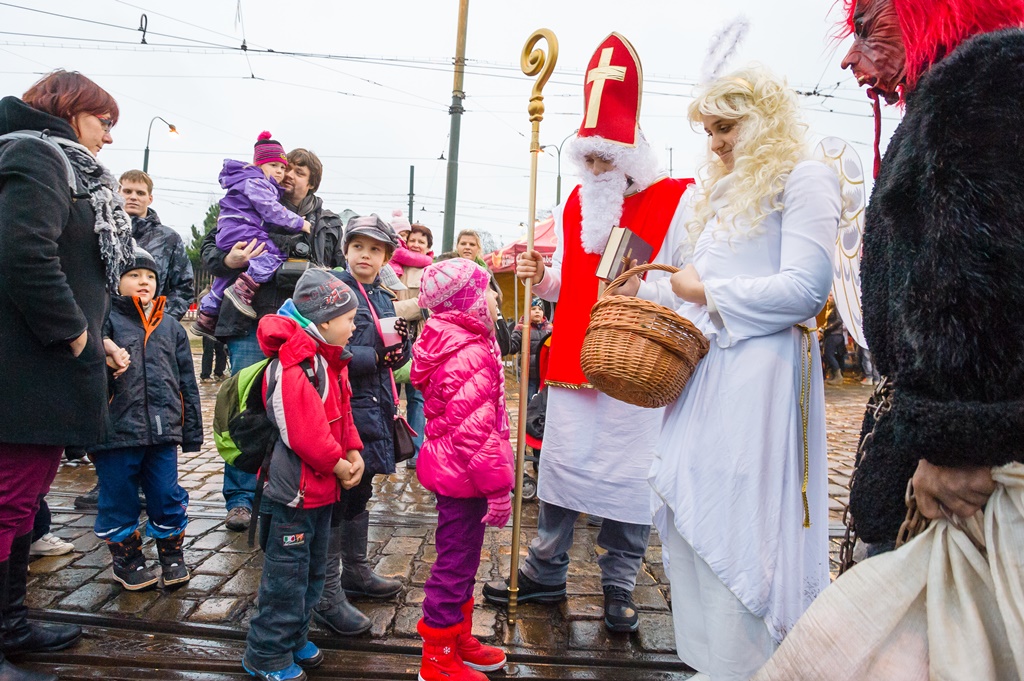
x=550, y=285
x=656, y=288
x=747, y=307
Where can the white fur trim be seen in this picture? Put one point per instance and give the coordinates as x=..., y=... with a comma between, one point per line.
x=640, y=163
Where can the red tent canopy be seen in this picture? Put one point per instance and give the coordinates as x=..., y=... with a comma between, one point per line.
x=503, y=259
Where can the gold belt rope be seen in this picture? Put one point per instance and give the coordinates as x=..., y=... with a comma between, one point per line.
x=805, y=407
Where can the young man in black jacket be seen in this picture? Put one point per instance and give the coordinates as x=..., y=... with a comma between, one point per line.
x=321, y=247
x=160, y=241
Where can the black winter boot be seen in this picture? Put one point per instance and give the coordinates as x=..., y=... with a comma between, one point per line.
x=130, y=565
x=8, y=672
x=173, y=571
x=357, y=578
x=334, y=610
x=17, y=634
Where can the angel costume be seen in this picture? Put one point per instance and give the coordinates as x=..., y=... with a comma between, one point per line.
x=747, y=547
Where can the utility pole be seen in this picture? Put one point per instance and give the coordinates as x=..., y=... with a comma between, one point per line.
x=669, y=161
x=455, y=110
x=412, y=176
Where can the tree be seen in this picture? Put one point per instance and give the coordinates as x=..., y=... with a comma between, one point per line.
x=194, y=248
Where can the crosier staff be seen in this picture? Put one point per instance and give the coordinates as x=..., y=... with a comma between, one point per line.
x=533, y=62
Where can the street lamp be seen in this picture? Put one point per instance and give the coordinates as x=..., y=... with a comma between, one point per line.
x=558, y=148
x=145, y=156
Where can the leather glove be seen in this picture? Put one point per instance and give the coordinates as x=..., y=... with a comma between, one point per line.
x=499, y=510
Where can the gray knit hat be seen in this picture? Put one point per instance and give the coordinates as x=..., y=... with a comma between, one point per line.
x=142, y=260
x=320, y=295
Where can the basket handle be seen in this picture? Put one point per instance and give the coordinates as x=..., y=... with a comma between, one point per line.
x=622, y=278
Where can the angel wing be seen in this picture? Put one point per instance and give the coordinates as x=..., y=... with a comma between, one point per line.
x=841, y=157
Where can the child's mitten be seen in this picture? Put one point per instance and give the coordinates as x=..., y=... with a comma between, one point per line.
x=499, y=509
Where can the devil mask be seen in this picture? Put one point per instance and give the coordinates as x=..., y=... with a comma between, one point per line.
x=877, y=56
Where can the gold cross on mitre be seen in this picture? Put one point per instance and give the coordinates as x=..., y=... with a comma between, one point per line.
x=603, y=72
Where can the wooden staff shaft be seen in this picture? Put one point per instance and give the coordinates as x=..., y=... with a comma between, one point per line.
x=533, y=62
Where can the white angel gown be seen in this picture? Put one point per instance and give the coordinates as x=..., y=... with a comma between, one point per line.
x=729, y=465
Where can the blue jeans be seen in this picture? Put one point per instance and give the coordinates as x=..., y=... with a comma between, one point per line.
x=120, y=473
x=415, y=416
x=294, y=542
x=548, y=560
x=240, y=487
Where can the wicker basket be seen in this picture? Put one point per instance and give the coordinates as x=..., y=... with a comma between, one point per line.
x=638, y=351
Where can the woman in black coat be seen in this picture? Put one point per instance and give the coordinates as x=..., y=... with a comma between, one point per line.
x=63, y=242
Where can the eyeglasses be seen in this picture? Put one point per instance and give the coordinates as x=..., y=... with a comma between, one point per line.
x=107, y=123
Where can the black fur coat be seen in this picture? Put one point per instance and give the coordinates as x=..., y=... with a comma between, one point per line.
x=943, y=278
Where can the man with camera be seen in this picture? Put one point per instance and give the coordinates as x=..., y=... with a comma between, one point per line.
x=321, y=247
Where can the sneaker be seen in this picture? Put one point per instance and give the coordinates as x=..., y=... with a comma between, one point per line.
x=50, y=545
x=619, y=611
x=867, y=380
x=292, y=672
x=238, y=519
x=309, y=656
x=529, y=592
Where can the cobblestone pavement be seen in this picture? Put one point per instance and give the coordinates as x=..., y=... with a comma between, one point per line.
x=226, y=572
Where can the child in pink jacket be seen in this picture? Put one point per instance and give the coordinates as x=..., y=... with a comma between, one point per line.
x=466, y=458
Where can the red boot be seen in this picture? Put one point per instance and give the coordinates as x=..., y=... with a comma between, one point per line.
x=473, y=653
x=441, y=661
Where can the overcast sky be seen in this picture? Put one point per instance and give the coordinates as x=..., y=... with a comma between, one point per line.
x=381, y=103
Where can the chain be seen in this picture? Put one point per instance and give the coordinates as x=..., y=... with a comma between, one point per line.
x=878, y=406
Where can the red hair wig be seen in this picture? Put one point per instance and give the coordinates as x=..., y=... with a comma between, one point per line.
x=934, y=28
x=65, y=94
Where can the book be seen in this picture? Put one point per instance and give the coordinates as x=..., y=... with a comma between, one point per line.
x=623, y=247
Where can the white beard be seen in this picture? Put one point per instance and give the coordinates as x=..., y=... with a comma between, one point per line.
x=601, y=199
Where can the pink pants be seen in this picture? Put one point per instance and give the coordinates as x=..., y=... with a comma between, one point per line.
x=27, y=471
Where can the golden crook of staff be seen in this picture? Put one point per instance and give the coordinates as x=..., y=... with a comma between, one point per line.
x=533, y=62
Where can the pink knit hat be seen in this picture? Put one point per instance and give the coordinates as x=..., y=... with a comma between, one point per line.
x=399, y=222
x=455, y=285
x=268, y=150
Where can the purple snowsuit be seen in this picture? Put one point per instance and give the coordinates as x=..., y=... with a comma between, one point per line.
x=248, y=211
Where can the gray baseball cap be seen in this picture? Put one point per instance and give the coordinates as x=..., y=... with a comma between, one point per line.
x=373, y=227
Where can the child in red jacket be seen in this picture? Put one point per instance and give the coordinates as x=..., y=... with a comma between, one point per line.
x=308, y=398
x=466, y=458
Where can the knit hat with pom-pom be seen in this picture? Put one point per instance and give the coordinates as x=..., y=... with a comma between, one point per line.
x=457, y=285
x=268, y=150
x=399, y=222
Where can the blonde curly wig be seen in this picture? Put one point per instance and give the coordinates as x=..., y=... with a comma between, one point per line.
x=770, y=144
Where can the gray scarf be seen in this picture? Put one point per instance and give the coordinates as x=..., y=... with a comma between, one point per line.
x=113, y=226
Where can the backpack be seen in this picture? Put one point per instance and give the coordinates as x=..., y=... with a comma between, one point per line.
x=46, y=139
x=244, y=435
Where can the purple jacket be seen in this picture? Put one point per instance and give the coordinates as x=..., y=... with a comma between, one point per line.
x=251, y=207
x=466, y=451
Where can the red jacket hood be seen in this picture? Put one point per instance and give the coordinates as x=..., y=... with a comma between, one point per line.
x=284, y=338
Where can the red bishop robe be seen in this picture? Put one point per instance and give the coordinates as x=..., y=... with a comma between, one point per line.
x=647, y=214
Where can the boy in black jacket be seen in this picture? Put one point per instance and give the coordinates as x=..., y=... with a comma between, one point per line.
x=154, y=407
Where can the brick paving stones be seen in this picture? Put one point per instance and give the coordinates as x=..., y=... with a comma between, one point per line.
x=226, y=571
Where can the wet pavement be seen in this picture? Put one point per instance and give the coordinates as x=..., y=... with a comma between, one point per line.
x=209, y=615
